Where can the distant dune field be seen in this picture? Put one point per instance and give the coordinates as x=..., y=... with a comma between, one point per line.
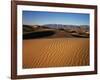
x=58, y=52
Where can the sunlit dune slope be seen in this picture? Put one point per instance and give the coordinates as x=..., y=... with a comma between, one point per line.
x=59, y=52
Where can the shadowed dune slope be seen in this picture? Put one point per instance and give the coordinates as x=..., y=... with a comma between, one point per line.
x=39, y=53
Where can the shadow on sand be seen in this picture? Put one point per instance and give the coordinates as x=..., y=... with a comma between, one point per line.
x=40, y=34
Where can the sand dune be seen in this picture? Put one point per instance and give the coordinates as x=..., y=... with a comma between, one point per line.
x=58, y=52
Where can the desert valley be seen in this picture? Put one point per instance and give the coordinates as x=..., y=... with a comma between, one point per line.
x=55, y=45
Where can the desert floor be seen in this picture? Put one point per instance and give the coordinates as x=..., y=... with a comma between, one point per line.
x=58, y=52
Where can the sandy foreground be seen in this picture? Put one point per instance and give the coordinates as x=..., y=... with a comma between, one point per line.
x=59, y=52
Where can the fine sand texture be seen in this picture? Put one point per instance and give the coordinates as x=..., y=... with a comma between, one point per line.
x=58, y=52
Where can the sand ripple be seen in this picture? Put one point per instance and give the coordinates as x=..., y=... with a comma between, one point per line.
x=55, y=52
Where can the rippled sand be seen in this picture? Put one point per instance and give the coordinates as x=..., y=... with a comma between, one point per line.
x=59, y=52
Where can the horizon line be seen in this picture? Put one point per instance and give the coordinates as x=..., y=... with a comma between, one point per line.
x=57, y=24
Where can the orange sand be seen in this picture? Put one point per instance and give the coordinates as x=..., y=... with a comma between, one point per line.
x=59, y=52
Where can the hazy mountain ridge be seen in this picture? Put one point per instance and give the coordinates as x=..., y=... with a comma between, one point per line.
x=57, y=26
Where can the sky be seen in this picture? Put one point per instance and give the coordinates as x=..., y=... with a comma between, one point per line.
x=41, y=18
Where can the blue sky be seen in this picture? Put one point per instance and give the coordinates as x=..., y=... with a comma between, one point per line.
x=41, y=17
